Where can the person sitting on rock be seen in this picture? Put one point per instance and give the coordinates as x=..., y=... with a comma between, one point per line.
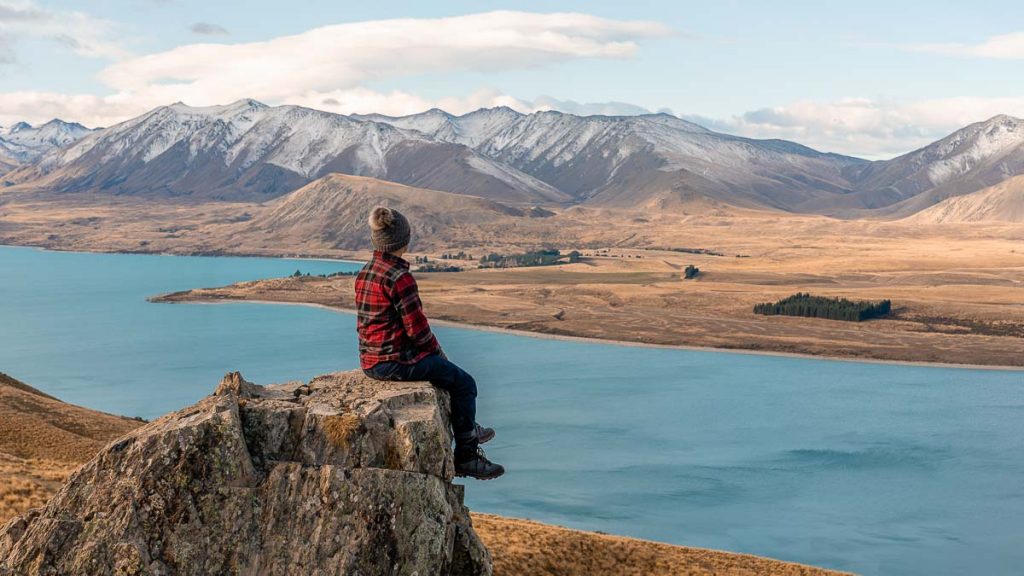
x=396, y=343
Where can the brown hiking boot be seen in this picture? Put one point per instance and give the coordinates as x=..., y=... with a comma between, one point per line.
x=484, y=435
x=473, y=463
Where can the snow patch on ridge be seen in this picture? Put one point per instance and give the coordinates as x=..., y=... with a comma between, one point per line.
x=968, y=148
x=23, y=142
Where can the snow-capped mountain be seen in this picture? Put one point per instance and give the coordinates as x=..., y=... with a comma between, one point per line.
x=250, y=151
x=637, y=160
x=22, y=142
x=470, y=129
x=658, y=159
x=247, y=150
x=972, y=158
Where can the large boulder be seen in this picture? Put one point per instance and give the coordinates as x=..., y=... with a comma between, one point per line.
x=343, y=475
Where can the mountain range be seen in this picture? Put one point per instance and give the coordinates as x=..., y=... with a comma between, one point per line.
x=247, y=151
x=250, y=151
x=641, y=161
x=24, y=143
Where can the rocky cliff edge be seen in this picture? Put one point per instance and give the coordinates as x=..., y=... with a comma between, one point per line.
x=343, y=475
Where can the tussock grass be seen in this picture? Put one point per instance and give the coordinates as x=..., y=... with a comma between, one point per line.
x=527, y=547
x=340, y=429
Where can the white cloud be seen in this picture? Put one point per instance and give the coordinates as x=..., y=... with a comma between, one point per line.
x=399, y=103
x=350, y=56
x=331, y=67
x=1004, y=46
x=78, y=31
x=864, y=127
x=587, y=108
x=37, y=107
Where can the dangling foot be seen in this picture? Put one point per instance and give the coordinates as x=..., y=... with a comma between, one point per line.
x=484, y=435
x=473, y=463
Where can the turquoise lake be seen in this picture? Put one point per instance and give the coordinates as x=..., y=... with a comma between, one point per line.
x=878, y=469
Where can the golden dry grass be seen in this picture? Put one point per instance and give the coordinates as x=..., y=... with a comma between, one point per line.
x=27, y=484
x=340, y=428
x=527, y=547
x=42, y=441
x=37, y=426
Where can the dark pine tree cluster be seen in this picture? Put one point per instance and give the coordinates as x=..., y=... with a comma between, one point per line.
x=438, y=267
x=537, y=258
x=821, y=307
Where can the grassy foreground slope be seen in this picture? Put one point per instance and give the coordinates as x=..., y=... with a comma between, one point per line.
x=43, y=440
x=522, y=547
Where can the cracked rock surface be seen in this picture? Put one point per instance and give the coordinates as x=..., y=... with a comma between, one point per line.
x=343, y=475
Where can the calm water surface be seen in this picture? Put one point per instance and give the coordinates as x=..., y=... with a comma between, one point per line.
x=878, y=469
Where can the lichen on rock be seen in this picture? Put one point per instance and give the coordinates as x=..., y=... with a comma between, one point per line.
x=343, y=475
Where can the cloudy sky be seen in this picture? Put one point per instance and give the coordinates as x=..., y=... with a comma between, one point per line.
x=872, y=78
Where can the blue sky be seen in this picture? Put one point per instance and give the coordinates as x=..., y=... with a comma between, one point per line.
x=869, y=78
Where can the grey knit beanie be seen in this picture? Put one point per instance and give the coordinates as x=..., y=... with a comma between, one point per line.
x=389, y=230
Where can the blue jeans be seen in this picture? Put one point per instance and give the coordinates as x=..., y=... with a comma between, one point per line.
x=445, y=375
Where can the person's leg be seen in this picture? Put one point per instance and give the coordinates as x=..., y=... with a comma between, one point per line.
x=469, y=459
x=461, y=388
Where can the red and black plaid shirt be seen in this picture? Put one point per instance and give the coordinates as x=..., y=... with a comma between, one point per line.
x=390, y=322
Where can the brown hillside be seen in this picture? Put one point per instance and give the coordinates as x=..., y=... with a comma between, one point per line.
x=6, y=380
x=42, y=440
x=34, y=425
x=1003, y=202
x=332, y=211
x=527, y=547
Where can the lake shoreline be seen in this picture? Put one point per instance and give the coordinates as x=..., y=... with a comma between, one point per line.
x=159, y=299
x=463, y=323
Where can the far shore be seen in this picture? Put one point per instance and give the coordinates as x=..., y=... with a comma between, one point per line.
x=610, y=342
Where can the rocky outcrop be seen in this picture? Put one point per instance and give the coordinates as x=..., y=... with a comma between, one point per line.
x=343, y=475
